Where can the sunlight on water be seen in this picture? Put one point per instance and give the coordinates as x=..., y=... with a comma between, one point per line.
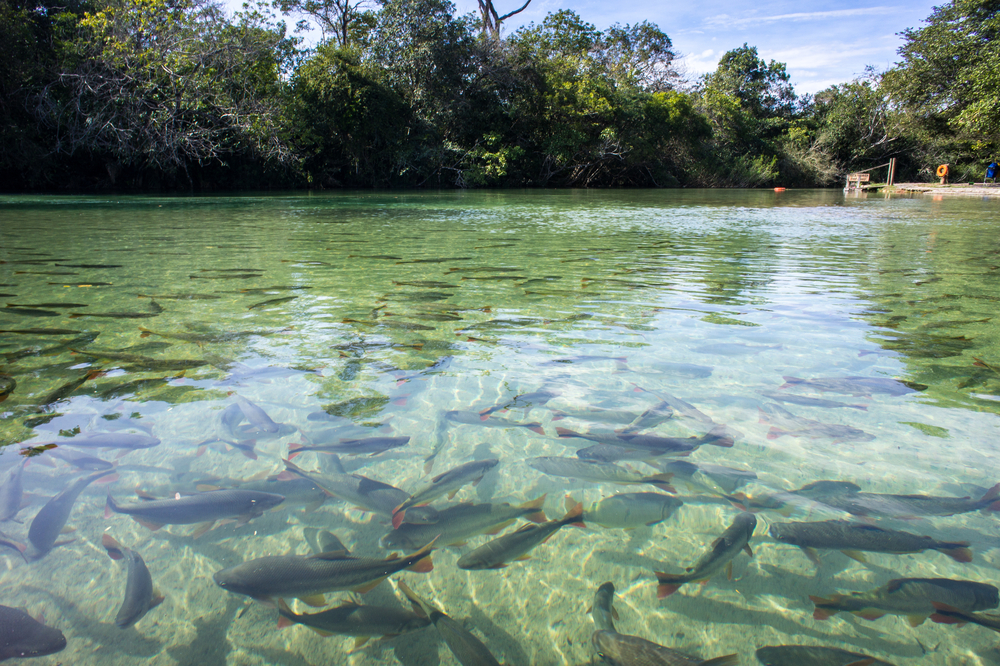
x=731, y=347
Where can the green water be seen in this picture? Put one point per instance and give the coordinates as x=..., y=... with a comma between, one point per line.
x=400, y=308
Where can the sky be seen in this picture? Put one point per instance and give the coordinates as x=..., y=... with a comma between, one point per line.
x=822, y=43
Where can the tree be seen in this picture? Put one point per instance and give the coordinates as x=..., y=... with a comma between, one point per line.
x=163, y=85
x=948, y=80
x=762, y=89
x=491, y=20
x=339, y=18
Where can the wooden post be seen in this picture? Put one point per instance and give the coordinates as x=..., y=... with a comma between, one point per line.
x=891, y=178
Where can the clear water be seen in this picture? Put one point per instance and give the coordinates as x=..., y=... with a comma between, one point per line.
x=607, y=288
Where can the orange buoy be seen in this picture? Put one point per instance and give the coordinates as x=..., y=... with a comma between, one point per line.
x=942, y=171
x=779, y=189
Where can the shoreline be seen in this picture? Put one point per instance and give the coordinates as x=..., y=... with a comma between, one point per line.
x=935, y=189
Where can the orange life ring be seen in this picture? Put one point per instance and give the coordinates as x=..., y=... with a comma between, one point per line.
x=942, y=171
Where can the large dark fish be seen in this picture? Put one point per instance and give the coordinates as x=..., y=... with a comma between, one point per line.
x=642, y=447
x=458, y=523
x=146, y=362
x=621, y=650
x=204, y=507
x=814, y=655
x=47, y=305
x=22, y=636
x=468, y=650
x=79, y=341
x=446, y=483
x=49, y=521
x=40, y=331
x=11, y=492
x=720, y=556
x=66, y=389
x=32, y=312
x=270, y=302
x=309, y=578
x=351, y=447
x=140, y=595
x=516, y=545
x=856, y=386
x=850, y=538
x=912, y=597
x=353, y=619
x=207, y=337
x=630, y=510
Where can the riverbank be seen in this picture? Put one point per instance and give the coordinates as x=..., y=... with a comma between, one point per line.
x=935, y=189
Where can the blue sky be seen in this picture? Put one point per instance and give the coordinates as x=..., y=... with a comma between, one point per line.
x=822, y=43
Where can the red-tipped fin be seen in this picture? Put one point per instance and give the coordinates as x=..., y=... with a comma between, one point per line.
x=958, y=551
x=538, y=516
x=821, y=613
x=112, y=546
x=665, y=589
x=397, y=519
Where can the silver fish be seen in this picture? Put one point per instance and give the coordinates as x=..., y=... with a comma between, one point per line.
x=621, y=650
x=49, y=521
x=140, y=596
x=443, y=484
x=603, y=611
x=468, y=650
x=719, y=556
x=204, y=508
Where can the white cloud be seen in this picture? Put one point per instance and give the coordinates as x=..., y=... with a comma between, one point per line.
x=724, y=20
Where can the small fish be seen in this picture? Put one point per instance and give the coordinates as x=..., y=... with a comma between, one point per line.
x=115, y=315
x=66, y=389
x=483, y=269
x=458, y=523
x=809, y=402
x=429, y=284
x=270, y=302
x=352, y=447
x=49, y=521
x=622, y=650
x=468, y=650
x=720, y=556
x=945, y=614
x=256, y=416
x=521, y=401
x=473, y=418
x=446, y=483
x=11, y=492
x=31, y=312
x=851, y=538
x=354, y=619
x=81, y=461
x=47, y=305
x=848, y=497
x=603, y=610
x=7, y=386
x=689, y=370
x=499, y=552
x=912, y=597
x=726, y=478
x=145, y=362
x=796, y=426
x=208, y=337
x=181, y=297
x=203, y=508
x=644, y=446
x=22, y=636
x=734, y=348
x=371, y=495
x=309, y=578
x=379, y=256
x=856, y=386
x=228, y=276
x=436, y=260
x=631, y=510
x=89, y=265
x=814, y=655
x=596, y=471
x=111, y=440
x=140, y=595
x=40, y=331
x=83, y=284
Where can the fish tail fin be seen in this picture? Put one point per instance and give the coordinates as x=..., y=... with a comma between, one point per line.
x=110, y=507
x=574, y=516
x=538, y=516
x=397, y=517
x=422, y=557
x=536, y=428
x=728, y=660
x=991, y=498
x=662, y=481
x=421, y=607
x=112, y=546
x=566, y=432
x=791, y=381
x=958, y=550
x=774, y=433
x=823, y=610
x=293, y=449
x=668, y=584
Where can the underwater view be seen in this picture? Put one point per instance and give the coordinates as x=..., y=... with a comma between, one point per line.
x=523, y=428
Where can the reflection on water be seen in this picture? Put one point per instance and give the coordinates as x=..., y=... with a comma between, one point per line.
x=605, y=347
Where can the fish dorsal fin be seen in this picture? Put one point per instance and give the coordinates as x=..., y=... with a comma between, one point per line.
x=332, y=555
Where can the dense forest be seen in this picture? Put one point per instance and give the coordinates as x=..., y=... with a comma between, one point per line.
x=150, y=95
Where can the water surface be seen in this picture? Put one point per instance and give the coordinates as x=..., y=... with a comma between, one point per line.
x=361, y=315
